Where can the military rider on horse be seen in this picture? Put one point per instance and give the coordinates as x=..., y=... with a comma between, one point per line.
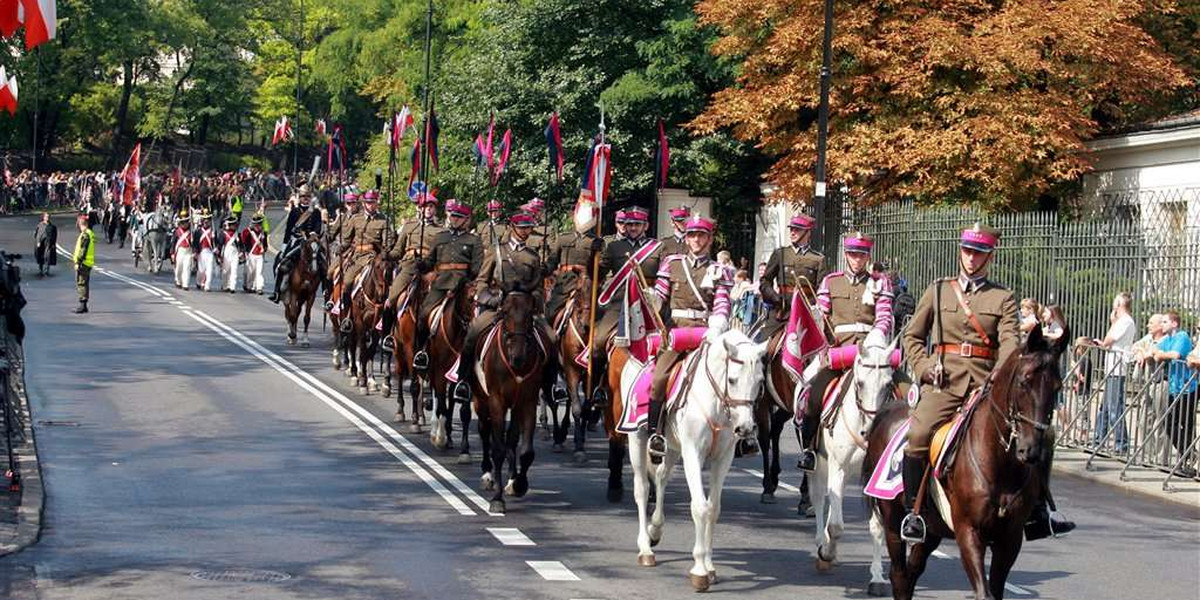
x=414, y=241
x=456, y=257
x=301, y=221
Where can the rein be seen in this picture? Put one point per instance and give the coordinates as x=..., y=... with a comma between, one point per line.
x=727, y=401
x=505, y=335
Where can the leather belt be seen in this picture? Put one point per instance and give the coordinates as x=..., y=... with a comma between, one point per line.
x=786, y=290
x=452, y=267
x=853, y=328
x=365, y=248
x=966, y=350
x=572, y=269
x=683, y=313
x=412, y=253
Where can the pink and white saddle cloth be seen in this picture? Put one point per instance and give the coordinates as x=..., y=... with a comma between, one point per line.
x=637, y=378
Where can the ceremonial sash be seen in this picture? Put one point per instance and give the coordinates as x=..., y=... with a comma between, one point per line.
x=257, y=248
x=183, y=242
x=618, y=280
x=206, y=239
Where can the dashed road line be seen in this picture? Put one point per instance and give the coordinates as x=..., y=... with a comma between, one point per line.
x=552, y=570
x=787, y=486
x=510, y=536
x=1013, y=588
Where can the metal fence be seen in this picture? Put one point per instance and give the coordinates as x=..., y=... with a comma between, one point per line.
x=12, y=413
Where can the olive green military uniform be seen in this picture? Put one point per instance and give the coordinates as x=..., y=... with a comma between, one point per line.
x=520, y=270
x=616, y=253
x=850, y=317
x=996, y=312
x=490, y=231
x=371, y=235
x=786, y=266
x=456, y=258
x=570, y=257
x=673, y=244
x=340, y=237
x=412, y=241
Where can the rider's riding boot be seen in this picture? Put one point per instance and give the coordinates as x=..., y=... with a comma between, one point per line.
x=657, y=444
x=808, y=433
x=277, y=294
x=462, y=391
x=912, y=529
x=559, y=393
x=421, y=357
x=1042, y=524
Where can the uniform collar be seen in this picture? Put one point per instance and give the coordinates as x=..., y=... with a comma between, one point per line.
x=697, y=261
x=971, y=284
x=515, y=245
x=800, y=248
x=858, y=277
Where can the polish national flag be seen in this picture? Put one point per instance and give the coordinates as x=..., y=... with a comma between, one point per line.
x=41, y=21
x=8, y=92
x=10, y=17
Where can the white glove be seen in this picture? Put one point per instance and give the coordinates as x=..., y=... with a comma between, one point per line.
x=717, y=324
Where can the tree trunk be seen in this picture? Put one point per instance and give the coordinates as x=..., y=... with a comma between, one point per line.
x=122, y=112
x=202, y=136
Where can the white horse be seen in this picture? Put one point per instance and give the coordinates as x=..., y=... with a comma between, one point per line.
x=841, y=451
x=718, y=410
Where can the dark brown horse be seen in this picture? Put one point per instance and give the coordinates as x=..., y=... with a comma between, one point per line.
x=772, y=414
x=996, y=480
x=342, y=355
x=366, y=313
x=512, y=370
x=303, y=283
x=404, y=333
x=447, y=335
x=618, y=443
x=572, y=323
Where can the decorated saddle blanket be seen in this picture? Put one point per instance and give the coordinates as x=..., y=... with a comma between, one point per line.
x=636, y=382
x=886, y=482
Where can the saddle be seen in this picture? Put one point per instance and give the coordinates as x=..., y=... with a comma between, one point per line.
x=636, y=382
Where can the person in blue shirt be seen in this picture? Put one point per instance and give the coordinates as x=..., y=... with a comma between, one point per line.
x=1182, y=384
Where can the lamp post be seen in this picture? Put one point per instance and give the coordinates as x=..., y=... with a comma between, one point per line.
x=819, y=197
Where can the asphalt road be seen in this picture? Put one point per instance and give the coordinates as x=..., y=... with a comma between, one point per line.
x=179, y=434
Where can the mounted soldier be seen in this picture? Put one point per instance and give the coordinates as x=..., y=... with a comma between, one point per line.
x=339, y=237
x=539, y=239
x=513, y=267
x=456, y=257
x=673, y=244
x=970, y=322
x=371, y=235
x=494, y=228
x=414, y=241
x=855, y=302
x=569, y=258
x=624, y=253
x=301, y=221
x=787, y=267
x=696, y=289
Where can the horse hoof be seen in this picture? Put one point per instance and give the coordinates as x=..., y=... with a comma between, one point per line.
x=414, y=428
x=712, y=577
x=291, y=341
x=486, y=482
x=655, y=541
x=878, y=589
x=580, y=457
x=520, y=487
x=510, y=489
x=304, y=344
x=615, y=495
x=647, y=560
x=398, y=417
x=362, y=389
x=385, y=391
x=464, y=458
x=496, y=506
x=557, y=448
x=823, y=566
x=767, y=498
x=699, y=582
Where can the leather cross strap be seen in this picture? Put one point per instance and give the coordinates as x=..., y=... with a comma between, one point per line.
x=962, y=301
x=452, y=267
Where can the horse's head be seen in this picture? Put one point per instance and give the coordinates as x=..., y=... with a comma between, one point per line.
x=517, y=328
x=312, y=252
x=743, y=366
x=583, y=303
x=1029, y=383
x=873, y=372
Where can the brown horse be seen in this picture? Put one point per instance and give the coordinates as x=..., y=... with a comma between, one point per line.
x=303, y=283
x=404, y=333
x=618, y=443
x=512, y=371
x=342, y=356
x=572, y=323
x=447, y=334
x=366, y=312
x=995, y=481
x=772, y=413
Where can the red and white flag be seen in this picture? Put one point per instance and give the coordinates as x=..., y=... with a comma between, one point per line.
x=283, y=131
x=131, y=177
x=8, y=98
x=400, y=124
x=10, y=16
x=321, y=128
x=41, y=21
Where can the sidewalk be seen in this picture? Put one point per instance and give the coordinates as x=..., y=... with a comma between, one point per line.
x=1140, y=480
x=20, y=510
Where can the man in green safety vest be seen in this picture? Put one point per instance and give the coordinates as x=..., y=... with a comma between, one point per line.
x=85, y=259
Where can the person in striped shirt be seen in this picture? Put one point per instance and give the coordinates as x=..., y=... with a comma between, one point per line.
x=696, y=289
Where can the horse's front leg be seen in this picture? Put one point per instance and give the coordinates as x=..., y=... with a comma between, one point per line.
x=878, y=585
x=718, y=470
x=524, y=450
x=693, y=469
x=641, y=494
x=835, y=485
x=464, y=417
x=616, y=464
x=499, y=453
x=1004, y=553
x=818, y=480
x=307, y=319
x=661, y=474
x=485, y=439
x=972, y=550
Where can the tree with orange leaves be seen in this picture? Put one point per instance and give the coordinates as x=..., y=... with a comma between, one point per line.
x=944, y=101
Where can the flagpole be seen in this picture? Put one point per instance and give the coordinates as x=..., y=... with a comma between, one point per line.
x=299, y=70
x=37, y=101
x=427, y=99
x=588, y=390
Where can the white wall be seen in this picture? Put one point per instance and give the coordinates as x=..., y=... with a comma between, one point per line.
x=671, y=198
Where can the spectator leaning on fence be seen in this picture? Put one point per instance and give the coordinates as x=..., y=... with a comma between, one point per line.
x=1117, y=343
x=1081, y=380
x=1181, y=383
x=1030, y=316
x=1052, y=322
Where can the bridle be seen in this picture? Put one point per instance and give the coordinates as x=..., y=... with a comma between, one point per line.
x=1014, y=416
x=728, y=402
x=858, y=396
x=530, y=335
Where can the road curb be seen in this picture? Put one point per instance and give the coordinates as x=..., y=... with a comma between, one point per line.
x=33, y=499
x=1142, y=481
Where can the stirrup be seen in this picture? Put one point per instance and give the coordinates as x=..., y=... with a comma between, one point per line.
x=657, y=447
x=559, y=393
x=421, y=360
x=600, y=396
x=387, y=344
x=807, y=460
x=912, y=528
x=328, y=305
x=346, y=326
x=462, y=392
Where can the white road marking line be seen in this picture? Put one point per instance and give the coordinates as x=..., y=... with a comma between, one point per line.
x=552, y=570
x=786, y=486
x=510, y=536
x=332, y=396
x=412, y=465
x=429, y=462
x=1016, y=589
